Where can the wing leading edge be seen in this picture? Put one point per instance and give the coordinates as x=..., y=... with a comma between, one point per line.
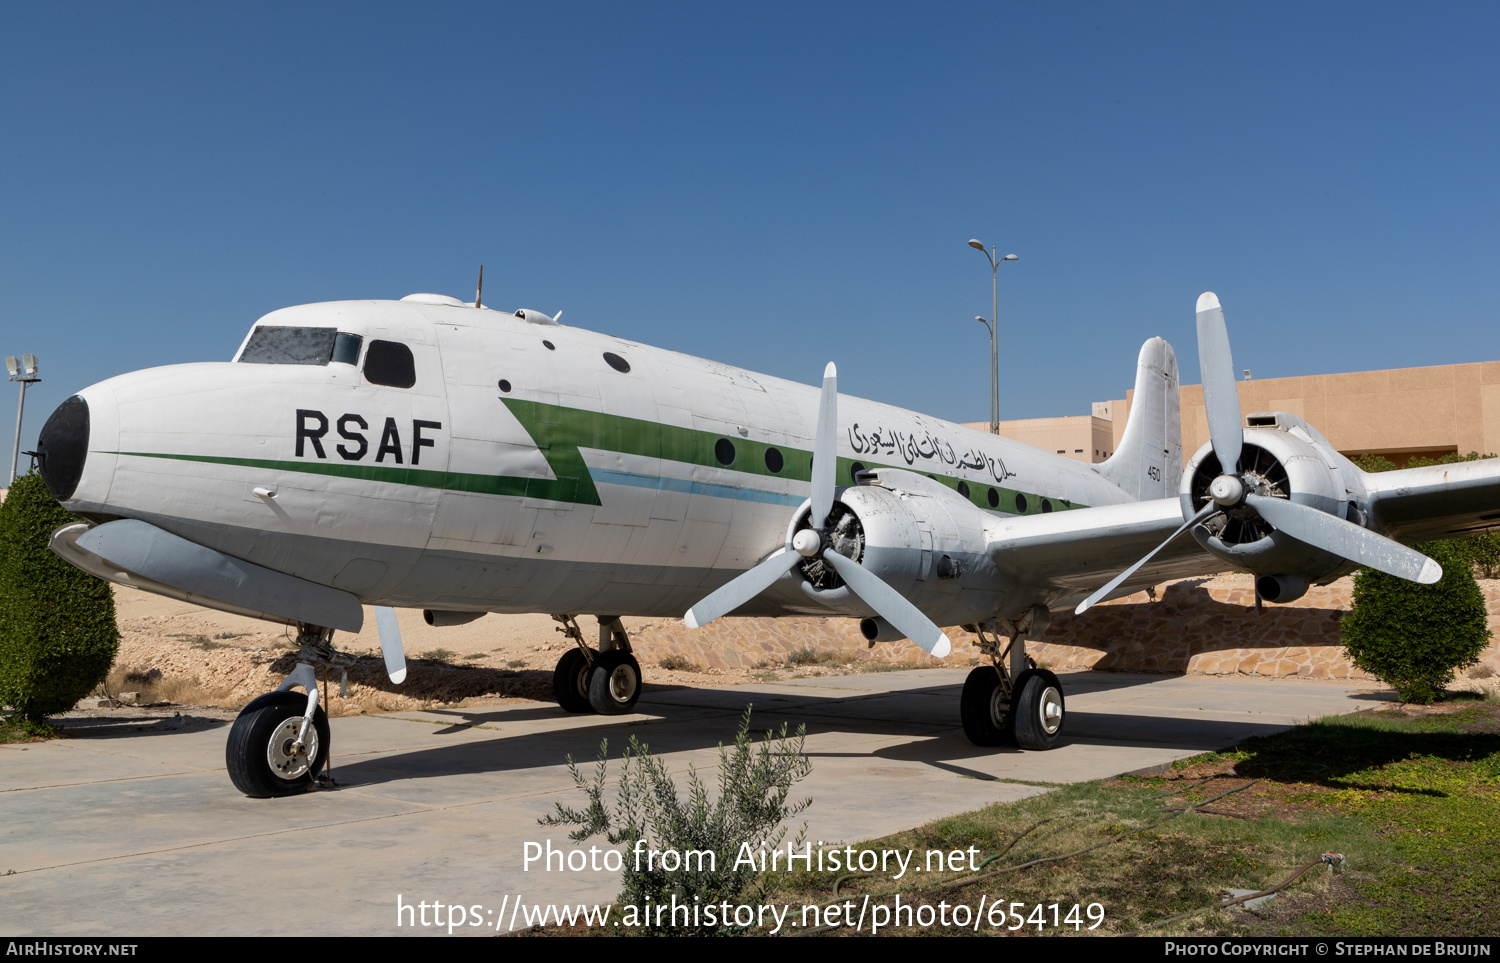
x=1439, y=501
x=1075, y=552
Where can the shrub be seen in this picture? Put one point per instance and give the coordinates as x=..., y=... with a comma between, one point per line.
x=57, y=624
x=1413, y=637
x=754, y=786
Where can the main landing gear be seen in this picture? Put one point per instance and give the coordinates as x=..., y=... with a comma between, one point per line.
x=1017, y=704
x=606, y=680
x=279, y=745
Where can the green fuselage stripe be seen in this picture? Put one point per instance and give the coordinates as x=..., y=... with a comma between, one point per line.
x=560, y=432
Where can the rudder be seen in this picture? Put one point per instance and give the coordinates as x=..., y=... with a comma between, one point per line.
x=1148, y=463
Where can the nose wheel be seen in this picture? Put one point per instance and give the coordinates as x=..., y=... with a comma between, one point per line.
x=267, y=756
x=278, y=745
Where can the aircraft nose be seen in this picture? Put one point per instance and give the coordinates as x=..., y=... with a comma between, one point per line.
x=62, y=447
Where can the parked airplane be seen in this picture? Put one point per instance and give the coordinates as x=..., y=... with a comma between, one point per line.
x=435, y=454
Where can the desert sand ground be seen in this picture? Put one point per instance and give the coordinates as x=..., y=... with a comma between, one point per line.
x=178, y=652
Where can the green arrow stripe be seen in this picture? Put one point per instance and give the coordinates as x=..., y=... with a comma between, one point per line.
x=560, y=432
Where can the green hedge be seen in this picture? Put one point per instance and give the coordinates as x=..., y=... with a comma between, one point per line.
x=57, y=624
x=1412, y=637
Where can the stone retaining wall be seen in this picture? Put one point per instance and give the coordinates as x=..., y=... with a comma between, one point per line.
x=1200, y=626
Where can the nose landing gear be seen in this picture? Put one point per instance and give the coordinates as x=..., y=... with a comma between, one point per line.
x=279, y=744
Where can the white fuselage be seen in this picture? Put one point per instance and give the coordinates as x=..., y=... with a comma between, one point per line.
x=520, y=471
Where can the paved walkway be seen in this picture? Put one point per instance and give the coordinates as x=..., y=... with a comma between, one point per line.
x=133, y=828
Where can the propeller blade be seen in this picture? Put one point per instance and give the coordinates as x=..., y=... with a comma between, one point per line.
x=740, y=589
x=890, y=604
x=1345, y=539
x=825, y=449
x=390, y=643
x=1221, y=400
x=1115, y=582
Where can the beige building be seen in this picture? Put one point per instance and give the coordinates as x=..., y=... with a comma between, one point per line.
x=1398, y=413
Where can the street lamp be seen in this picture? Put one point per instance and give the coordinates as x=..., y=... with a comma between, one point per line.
x=991, y=324
x=23, y=371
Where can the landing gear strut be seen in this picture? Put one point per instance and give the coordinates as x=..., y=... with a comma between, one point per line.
x=606, y=680
x=1014, y=704
x=279, y=744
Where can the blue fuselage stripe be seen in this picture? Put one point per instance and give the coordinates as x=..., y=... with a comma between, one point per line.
x=608, y=476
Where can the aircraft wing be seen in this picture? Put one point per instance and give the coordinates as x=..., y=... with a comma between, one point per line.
x=1077, y=551
x=1439, y=501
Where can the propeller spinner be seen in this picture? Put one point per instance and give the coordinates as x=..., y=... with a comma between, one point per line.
x=818, y=542
x=1245, y=493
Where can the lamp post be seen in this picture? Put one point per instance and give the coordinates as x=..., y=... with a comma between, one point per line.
x=23, y=371
x=992, y=324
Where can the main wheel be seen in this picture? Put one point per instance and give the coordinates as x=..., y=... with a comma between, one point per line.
x=615, y=683
x=1038, y=710
x=260, y=755
x=985, y=709
x=570, y=680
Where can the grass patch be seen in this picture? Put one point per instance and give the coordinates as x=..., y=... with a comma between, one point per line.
x=811, y=656
x=1412, y=803
x=516, y=664
x=199, y=641
x=679, y=662
x=154, y=689
x=14, y=729
x=445, y=656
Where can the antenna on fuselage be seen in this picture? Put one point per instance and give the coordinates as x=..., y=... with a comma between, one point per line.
x=479, y=291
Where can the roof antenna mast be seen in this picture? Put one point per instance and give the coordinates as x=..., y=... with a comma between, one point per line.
x=479, y=291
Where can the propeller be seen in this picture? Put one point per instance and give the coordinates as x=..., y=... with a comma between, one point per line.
x=1230, y=490
x=390, y=643
x=817, y=542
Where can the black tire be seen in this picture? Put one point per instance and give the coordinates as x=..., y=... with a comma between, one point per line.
x=1038, y=710
x=985, y=713
x=570, y=680
x=615, y=683
x=261, y=733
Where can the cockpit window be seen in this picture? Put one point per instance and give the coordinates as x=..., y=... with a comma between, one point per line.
x=283, y=344
x=390, y=363
x=346, y=348
x=272, y=344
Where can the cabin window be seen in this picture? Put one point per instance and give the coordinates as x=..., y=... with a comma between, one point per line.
x=724, y=451
x=1020, y=503
x=993, y=498
x=963, y=489
x=774, y=461
x=854, y=471
x=285, y=344
x=616, y=362
x=1046, y=505
x=390, y=363
x=504, y=385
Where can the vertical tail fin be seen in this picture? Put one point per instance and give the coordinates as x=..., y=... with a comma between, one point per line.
x=1148, y=463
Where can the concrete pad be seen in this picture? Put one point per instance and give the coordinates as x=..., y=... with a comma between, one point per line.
x=137, y=821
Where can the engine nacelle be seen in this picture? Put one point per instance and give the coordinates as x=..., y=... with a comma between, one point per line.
x=1286, y=457
x=918, y=536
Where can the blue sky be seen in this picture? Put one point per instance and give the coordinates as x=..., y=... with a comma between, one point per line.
x=772, y=186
